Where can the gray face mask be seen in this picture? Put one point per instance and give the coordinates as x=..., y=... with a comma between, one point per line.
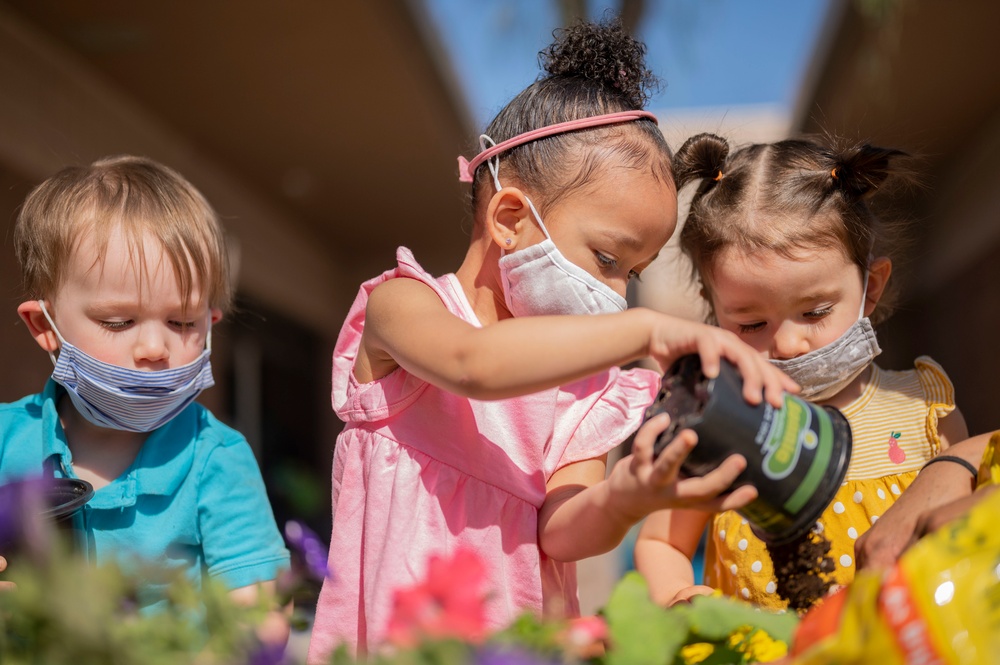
x=824, y=372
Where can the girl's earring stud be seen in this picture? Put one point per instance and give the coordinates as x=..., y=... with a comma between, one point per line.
x=508, y=241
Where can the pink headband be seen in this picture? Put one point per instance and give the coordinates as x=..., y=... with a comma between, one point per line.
x=467, y=168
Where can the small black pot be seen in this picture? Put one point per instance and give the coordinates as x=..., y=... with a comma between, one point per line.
x=32, y=506
x=796, y=456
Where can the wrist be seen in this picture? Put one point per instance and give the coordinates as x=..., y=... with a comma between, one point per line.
x=642, y=321
x=950, y=475
x=650, y=323
x=618, y=502
x=956, y=460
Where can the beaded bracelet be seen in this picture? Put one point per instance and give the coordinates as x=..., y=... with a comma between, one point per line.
x=957, y=460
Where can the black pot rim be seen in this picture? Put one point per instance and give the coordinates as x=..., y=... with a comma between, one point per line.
x=77, y=493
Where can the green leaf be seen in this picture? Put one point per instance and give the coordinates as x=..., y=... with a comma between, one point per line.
x=532, y=632
x=642, y=632
x=713, y=618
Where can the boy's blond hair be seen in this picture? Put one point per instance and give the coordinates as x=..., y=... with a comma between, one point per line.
x=136, y=195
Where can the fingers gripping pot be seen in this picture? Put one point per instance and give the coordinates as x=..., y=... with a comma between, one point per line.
x=796, y=456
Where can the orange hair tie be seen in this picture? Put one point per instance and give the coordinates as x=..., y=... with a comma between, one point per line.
x=718, y=176
x=833, y=173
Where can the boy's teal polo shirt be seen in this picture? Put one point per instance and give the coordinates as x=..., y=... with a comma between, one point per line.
x=192, y=500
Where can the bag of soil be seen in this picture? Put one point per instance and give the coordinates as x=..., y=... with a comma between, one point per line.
x=940, y=603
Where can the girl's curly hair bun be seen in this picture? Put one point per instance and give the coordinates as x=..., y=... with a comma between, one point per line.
x=605, y=53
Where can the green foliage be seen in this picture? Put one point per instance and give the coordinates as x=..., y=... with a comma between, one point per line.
x=643, y=633
x=65, y=610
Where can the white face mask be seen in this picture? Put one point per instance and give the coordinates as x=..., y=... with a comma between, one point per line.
x=824, y=372
x=128, y=399
x=540, y=280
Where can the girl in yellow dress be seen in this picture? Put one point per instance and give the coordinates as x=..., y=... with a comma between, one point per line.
x=792, y=259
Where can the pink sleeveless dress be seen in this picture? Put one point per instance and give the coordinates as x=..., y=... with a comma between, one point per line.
x=420, y=471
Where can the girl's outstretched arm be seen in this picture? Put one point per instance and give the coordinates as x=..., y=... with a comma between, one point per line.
x=579, y=494
x=664, y=551
x=408, y=326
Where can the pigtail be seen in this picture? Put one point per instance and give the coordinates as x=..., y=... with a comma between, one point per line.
x=702, y=157
x=604, y=54
x=861, y=170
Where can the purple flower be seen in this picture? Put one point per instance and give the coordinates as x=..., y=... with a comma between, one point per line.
x=22, y=504
x=307, y=545
x=509, y=654
x=267, y=654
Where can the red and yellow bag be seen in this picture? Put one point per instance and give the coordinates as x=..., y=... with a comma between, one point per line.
x=940, y=603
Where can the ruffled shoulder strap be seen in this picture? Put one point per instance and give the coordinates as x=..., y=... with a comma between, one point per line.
x=379, y=399
x=614, y=416
x=939, y=394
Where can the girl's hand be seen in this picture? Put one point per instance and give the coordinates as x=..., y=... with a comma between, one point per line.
x=673, y=338
x=933, y=520
x=686, y=594
x=656, y=484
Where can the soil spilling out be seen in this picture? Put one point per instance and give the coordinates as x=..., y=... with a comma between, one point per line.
x=803, y=569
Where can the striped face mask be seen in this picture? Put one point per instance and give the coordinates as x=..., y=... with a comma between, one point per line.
x=128, y=399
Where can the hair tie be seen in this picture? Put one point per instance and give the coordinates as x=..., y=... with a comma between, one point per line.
x=955, y=459
x=833, y=173
x=718, y=176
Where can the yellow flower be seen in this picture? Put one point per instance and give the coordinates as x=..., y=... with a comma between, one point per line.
x=696, y=653
x=758, y=646
x=737, y=636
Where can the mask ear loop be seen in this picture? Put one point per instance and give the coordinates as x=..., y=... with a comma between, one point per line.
x=208, y=335
x=864, y=286
x=493, y=163
x=52, y=323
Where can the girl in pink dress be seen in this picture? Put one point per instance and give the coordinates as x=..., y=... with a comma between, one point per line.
x=480, y=405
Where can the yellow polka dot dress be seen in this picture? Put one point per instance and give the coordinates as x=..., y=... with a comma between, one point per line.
x=894, y=428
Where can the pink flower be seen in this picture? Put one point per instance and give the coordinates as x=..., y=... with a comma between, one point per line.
x=584, y=630
x=448, y=603
x=585, y=636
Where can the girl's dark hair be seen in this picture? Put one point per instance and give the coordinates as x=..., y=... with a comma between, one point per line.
x=803, y=193
x=591, y=69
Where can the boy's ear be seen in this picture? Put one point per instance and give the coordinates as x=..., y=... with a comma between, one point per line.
x=39, y=327
x=878, y=277
x=216, y=315
x=507, y=217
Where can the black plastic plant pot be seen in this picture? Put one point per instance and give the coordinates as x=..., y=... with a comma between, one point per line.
x=29, y=507
x=796, y=456
x=65, y=497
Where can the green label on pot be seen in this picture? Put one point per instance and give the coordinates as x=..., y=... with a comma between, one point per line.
x=791, y=431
